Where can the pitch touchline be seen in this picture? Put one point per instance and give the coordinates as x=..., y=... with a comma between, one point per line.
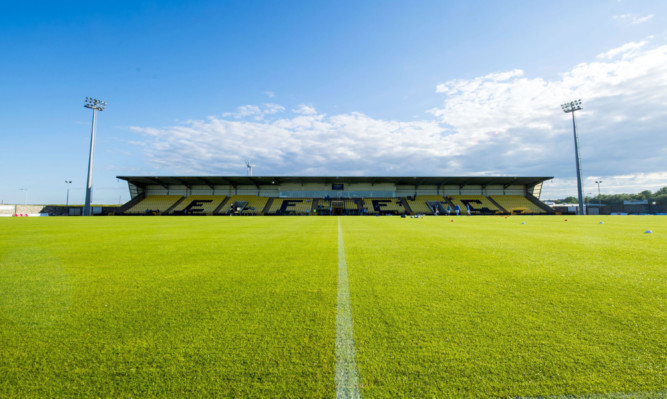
x=347, y=381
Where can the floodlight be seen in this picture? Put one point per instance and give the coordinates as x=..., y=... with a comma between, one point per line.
x=68, y=182
x=571, y=107
x=95, y=105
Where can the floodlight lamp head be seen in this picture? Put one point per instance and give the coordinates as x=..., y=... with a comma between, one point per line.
x=94, y=103
x=572, y=106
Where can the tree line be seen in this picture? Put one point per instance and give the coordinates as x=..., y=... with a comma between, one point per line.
x=659, y=197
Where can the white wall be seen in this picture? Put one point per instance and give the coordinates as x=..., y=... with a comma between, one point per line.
x=7, y=210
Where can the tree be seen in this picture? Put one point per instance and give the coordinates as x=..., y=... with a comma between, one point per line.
x=660, y=197
x=661, y=191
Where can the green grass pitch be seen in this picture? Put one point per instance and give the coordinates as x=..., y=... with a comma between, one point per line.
x=482, y=307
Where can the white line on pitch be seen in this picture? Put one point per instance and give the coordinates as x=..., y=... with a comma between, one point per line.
x=347, y=381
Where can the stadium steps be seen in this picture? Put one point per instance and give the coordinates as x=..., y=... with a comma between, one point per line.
x=219, y=208
x=424, y=204
x=432, y=204
x=134, y=201
x=267, y=206
x=171, y=208
x=540, y=204
x=406, y=206
x=313, y=209
x=242, y=206
x=503, y=210
x=325, y=206
x=360, y=205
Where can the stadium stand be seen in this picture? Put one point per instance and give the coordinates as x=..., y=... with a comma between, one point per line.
x=333, y=195
x=384, y=206
x=351, y=206
x=198, y=205
x=130, y=204
x=517, y=204
x=479, y=204
x=154, y=204
x=327, y=206
x=248, y=204
x=424, y=204
x=291, y=206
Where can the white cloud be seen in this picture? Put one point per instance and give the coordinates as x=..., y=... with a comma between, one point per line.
x=243, y=111
x=310, y=144
x=258, y=113
x=273, y=109
x=270, y=94
x=305, y=110
x=633, y=19
x=640, y=20
x=627, y=50
x=502, y=123
x=518, y=123
x=497, y=103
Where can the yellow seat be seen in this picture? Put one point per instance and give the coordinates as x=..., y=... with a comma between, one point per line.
x=200, y=204
x=517, y=204
x=298, y=206
x=255, y=205
x=154, y=203
x=390, y=205
x=479, y=204
x=419, y=204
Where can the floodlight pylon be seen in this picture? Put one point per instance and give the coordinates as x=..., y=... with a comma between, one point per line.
x=95, y=105
x=571, y=107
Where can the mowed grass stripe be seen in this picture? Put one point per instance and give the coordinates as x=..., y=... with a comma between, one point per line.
x=167, y=307
x=347, y=381
x=486, y=307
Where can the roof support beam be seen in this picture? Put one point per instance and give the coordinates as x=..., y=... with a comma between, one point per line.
x=159, y=182
x=208, y=183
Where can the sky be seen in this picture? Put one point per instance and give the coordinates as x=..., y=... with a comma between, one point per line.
x=345, y=88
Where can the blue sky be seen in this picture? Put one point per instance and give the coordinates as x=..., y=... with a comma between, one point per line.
x=331, y=88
